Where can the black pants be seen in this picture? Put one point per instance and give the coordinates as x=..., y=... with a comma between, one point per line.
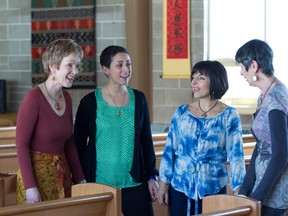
x=178, y=202
x=268, y=211
x=136, y=201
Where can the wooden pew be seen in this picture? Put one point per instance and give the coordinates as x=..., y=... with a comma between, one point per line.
x=8, y=135
x=222, y=204
x=7, y=148
x=6, y=123
x=8, y=163
x=9, y=192
x=2, y=194
x=247, y=138
x=8, y=119
x=88, y=199
x=96, y=188
x=97, y=204
x=159, y=137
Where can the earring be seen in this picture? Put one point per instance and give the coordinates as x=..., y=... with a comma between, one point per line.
x=53, y=78
x=254, y=78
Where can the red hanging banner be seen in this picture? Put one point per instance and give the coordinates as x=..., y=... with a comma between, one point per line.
x=176, y=35
x=177, y=29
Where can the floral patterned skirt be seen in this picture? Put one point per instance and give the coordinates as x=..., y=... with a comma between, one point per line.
x=52, y=176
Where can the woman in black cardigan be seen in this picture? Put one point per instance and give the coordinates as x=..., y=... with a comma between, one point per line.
x=113, y=136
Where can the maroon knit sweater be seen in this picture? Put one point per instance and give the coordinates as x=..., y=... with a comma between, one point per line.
x=40, y=129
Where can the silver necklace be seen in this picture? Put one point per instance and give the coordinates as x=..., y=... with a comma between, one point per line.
x=204, y=113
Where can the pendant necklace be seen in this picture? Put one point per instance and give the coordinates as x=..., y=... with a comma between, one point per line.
x=118, y=113
x=264, y=95
x=57, y=104
x=204, y=113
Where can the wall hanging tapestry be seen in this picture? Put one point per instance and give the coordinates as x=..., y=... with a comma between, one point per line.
x=176, y=43
x=75, y=19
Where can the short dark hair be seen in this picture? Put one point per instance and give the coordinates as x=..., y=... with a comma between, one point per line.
x=109, y=52
x=217, y=75
x=258, y=51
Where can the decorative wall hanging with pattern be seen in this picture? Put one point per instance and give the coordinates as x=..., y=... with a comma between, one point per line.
x=75, y=19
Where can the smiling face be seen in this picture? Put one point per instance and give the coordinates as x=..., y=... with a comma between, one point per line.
x=67, y=70
x=200, y=85
x=120, y=69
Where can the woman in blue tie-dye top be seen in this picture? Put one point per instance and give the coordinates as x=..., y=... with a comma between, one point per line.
x=203, y=136
x=267, y=174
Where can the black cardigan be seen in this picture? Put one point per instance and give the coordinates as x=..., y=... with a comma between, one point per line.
x=144, y=160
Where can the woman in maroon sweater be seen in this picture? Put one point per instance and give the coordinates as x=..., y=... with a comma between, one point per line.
x=44, y=138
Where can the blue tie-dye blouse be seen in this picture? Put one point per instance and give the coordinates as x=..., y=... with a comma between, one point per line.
x=197, y=149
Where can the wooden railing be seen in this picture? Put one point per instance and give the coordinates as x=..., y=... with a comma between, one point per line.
x=88, y=199
x=222, y=204
x=7, y=135
x=84, y=206
x=8, y=162
x=96, y=188
x=8, y=194
x=2, y=195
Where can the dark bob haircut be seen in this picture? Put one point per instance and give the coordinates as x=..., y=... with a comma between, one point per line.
x=217, y=75
x=108, y=53
x=258, y=51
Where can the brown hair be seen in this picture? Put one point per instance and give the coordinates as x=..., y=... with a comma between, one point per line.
x=57, y=50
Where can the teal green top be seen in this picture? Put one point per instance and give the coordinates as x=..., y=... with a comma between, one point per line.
x=115, y=142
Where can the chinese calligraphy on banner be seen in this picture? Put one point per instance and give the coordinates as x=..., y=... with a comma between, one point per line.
x=176, y=35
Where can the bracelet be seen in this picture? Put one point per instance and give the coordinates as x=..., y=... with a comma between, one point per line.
x=153, y=177
x=83, y=181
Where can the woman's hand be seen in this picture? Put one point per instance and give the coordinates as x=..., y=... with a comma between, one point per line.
x=163, y=193
x=32, y=195
x=82, y=181
x=153, y=189
x=236, y=191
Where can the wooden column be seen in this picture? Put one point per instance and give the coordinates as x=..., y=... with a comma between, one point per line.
x=139, y=45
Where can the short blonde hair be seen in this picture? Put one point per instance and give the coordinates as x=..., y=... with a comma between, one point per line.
x=57, y=50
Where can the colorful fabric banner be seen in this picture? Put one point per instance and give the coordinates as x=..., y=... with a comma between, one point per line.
x=55, y=19
x=176, y=39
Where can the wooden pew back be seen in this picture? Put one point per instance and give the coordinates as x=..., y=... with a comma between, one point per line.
x=7, y=148
x=85, y=206
x=8, y=135
x=8, y=193
x=2, y=193
x=96, y=188
x=231, y=203
x=8, y=162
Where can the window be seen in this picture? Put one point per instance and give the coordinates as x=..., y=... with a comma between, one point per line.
x=231, y=23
